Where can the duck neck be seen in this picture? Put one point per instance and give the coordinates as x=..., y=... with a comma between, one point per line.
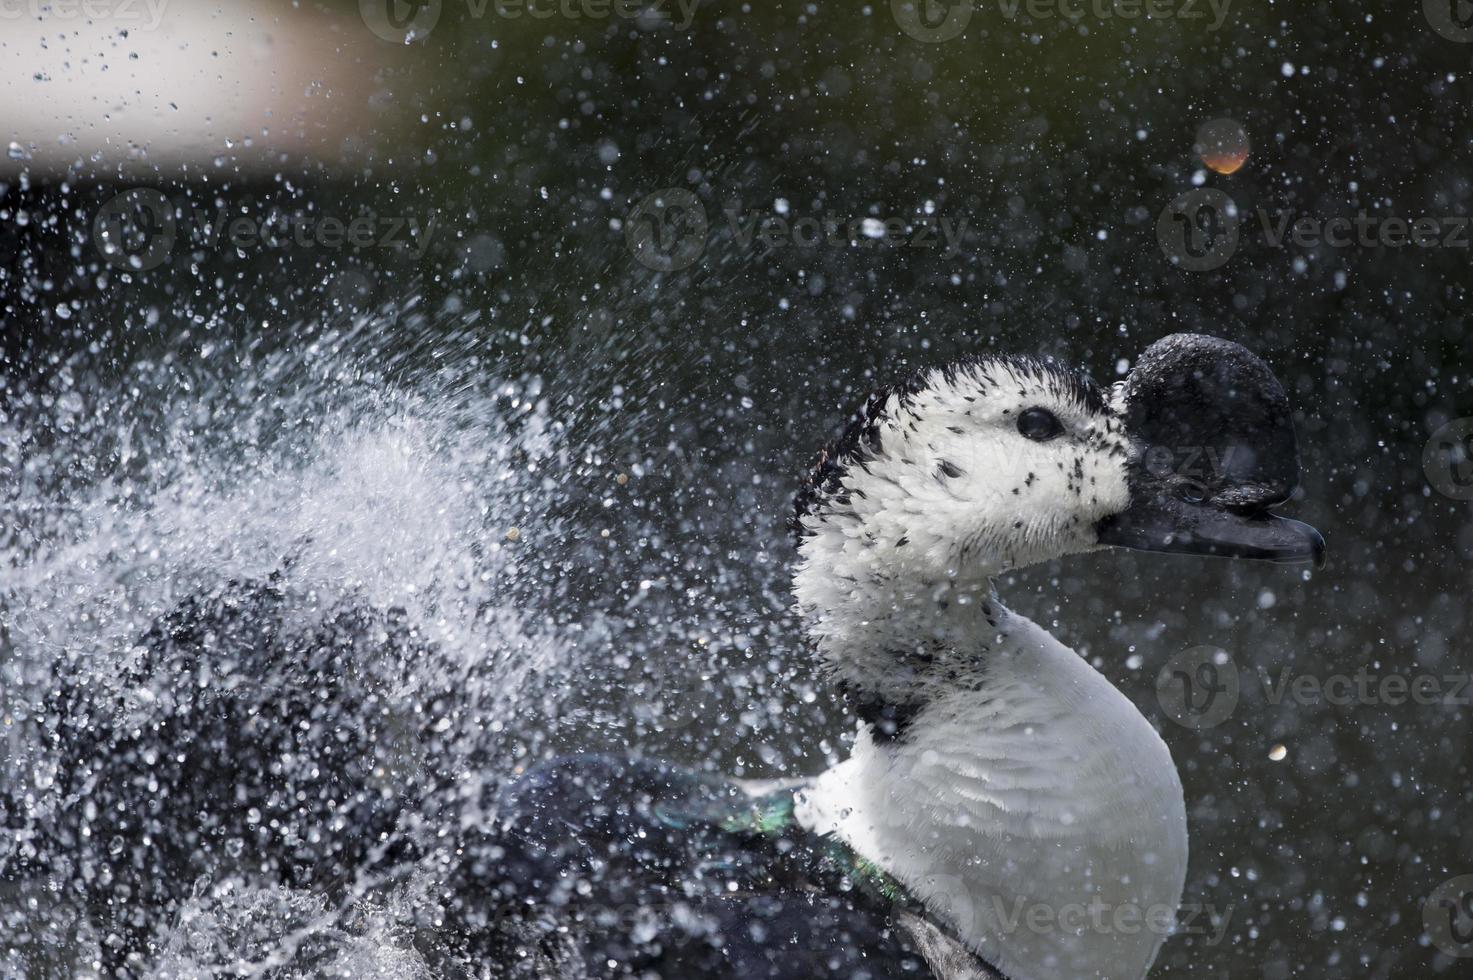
x=894, y=637
x=1021, y=797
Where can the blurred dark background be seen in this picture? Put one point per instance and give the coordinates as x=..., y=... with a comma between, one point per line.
x=526, y=151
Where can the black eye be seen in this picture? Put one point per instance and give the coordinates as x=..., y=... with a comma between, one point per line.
x=1039, y=424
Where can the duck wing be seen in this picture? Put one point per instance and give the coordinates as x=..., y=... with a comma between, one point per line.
x=606, y=867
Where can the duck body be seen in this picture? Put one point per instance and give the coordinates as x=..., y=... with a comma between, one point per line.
x=615, y=867
x=982, y=841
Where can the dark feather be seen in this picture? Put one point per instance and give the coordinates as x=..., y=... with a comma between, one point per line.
x=643, y=869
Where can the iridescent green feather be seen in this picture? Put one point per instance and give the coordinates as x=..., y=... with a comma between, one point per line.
x=768, y=815
x=829, y=860
x=773, y=816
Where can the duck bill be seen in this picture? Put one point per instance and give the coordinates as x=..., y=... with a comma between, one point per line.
x=1165, y=524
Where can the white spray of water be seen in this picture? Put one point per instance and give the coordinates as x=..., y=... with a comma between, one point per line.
x=128, y=499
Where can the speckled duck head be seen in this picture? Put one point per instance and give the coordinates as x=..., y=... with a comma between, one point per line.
x=998, y=462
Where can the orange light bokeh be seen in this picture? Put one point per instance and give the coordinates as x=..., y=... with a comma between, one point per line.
x=1224, y=161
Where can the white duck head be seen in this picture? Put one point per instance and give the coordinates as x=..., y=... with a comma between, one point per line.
x=997, y=462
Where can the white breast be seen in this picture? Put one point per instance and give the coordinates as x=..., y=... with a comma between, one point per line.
x=1040, y=817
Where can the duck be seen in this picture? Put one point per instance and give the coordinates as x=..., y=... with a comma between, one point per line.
x=1005, y=811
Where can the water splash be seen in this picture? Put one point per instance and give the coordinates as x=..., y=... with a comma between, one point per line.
x=261, y=616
